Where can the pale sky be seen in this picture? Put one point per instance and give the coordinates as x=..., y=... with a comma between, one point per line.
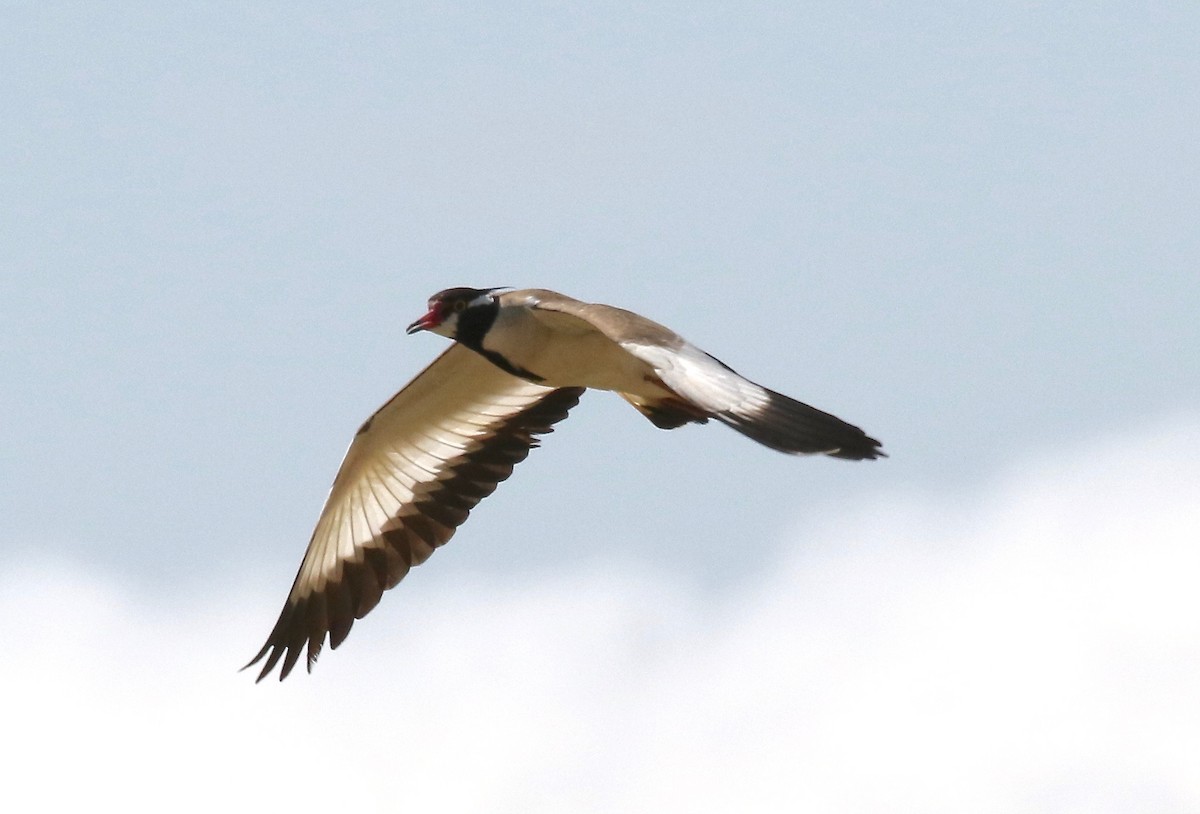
x=968, y=228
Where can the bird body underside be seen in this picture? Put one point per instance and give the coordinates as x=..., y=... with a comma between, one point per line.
x=567, y=343
x=554, y=348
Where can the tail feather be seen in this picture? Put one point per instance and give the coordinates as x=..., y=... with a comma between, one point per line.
x=791, y=426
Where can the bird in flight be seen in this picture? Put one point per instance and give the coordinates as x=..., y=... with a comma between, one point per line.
x=519, y=362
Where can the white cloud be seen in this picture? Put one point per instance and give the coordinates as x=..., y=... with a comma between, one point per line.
x=1033, y=649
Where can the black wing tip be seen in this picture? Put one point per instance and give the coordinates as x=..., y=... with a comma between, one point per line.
x=273, y=653
x=856, y=445
x=796, y=428
x=868, y=450
x=279, y=648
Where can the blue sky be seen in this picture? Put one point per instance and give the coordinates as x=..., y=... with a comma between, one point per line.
x=969, y=229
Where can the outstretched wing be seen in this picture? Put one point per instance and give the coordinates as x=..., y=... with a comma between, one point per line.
x=413, y=472
x=705, y=386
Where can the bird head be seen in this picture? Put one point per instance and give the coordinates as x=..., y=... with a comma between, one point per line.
x=448, y=306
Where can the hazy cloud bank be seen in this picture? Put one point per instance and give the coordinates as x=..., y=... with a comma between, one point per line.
x=1034, y=648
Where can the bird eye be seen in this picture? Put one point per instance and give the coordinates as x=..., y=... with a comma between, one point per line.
x=460, y=306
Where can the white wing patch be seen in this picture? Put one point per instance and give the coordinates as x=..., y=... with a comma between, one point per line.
x=699, y=378
x=770, y=418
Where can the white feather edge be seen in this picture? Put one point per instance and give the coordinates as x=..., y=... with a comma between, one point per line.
x=701, y=379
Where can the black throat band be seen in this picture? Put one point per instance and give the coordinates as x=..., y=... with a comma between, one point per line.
x=473, y=325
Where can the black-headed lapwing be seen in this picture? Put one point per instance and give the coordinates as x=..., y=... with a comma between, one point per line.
x=520, y=362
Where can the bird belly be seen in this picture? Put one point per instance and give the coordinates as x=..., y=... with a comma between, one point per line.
x=567, y=358
x=593, y=361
